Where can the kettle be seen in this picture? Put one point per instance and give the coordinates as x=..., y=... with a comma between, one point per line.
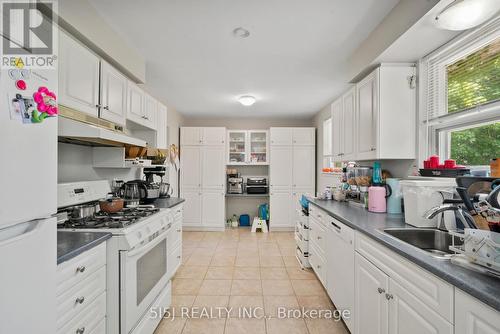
x=394, y=199
x=377, y=198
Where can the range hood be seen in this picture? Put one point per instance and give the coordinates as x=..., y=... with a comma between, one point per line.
x=83, y=133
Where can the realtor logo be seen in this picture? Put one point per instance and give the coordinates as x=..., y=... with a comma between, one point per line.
x=28, y=33
x=26, y=29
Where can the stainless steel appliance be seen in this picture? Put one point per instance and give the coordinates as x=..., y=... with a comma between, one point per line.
x=235, y=185
x=148, y=192
x=160, y=171
x=257, y=185
x=136, y=257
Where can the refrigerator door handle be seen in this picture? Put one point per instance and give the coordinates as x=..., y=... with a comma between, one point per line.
x=18, y=232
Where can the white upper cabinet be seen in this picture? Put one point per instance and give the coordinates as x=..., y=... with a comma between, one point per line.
x=304, y=136
x=191, y=136
x=135, y=103
x=161, y=127
x=190, y=161
x=281, y=136
x=150, y=111
x=386, y=114
x=113, y=94
x=78, y=76
x=247, y=147
x=349, y=125
x=280, y=171
x=337, y=133
x=213, y=162
x=213, y=136
x=303, y=167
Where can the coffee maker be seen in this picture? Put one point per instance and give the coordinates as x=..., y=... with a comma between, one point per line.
x=164, y=189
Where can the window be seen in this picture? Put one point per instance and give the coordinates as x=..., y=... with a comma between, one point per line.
x=462, y=118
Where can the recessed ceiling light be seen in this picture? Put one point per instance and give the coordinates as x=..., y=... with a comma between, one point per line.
x=247, y=100
x=466, y=14
x=241, y=32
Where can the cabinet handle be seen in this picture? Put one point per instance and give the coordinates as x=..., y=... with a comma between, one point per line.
x=318, y=266
x=372, y=149
x=178, y=230
x=319, y=238
x=106, y=108
x=389, y=296
x=80, y=330
x=98, y=106
x=336, y=226
x=178, y=256
x=381, y=291
x=80, y=269
x=80, y=300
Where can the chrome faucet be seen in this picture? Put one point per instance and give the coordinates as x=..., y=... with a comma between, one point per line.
x=460, y=213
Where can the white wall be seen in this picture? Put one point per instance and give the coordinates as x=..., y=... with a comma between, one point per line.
x=247, y=123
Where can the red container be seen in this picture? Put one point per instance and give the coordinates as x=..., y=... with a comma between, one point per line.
x=427, y=164
x=440, y=167
x=434, y=161
x=450, y=163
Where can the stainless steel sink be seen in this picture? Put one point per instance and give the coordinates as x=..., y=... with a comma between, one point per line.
x=433, y=241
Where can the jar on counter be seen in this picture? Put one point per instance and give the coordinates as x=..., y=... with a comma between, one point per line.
x=495, y=167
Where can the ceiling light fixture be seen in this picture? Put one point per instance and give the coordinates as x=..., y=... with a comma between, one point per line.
x=466, y=14
x=247, y=100
x=241, y=32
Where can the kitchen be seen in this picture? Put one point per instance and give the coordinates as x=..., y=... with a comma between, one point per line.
x=334, y=158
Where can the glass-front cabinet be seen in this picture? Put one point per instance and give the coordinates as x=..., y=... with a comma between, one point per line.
x=248, y=147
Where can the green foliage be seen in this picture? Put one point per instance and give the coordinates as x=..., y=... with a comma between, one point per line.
x=473, y=81
x=476, y=146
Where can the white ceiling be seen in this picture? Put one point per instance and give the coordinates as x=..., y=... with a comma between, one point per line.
x=293, y=61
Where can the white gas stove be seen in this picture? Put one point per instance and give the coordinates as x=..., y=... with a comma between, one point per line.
x=137, y=274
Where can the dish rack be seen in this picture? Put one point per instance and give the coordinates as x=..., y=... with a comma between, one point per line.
x=480, y=247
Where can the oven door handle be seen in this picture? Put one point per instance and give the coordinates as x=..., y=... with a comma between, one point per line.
x=146, y=248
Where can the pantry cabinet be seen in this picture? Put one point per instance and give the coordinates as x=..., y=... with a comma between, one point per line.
x=247, y=147
x=78, y=76
x=202, y=168
x=113, y=94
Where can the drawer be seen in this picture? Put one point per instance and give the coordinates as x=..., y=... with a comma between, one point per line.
x=428, y=288
x=301, y=243
x=174, y=236
x=87, y=320
x=71, y=272
x=318, y=263
x=318, y=214
x=174, y=260
x=101, y=328
x=317, y=235
x=178, y=213
x=304, y=232
x=74, y=300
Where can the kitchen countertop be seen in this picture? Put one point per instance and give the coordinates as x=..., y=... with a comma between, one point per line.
x=168, y=202
x=483, y=287
x=71, y=244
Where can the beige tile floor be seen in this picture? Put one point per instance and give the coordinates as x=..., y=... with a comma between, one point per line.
x=237, y=268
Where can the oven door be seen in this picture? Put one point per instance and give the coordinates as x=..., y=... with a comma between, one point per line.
x=143, y=275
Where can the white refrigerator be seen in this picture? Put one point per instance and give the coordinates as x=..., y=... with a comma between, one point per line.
x=28, y=201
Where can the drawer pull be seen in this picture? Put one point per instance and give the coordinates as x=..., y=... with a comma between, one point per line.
x=336, y=226
x=80, y=300
x=178, y=256
x=388, y=296
x=80, y=269
x=318, y=266
x=381, y=291
x=319, y=238
x=80, y=330
x=178, y=230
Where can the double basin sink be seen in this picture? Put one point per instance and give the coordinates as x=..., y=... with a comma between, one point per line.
x=436, y=242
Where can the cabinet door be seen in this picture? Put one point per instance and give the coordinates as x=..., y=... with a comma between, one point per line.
x=161, y=127
x=348, y=125
x=281, y=136
x=337, y=130
x=78, y=76
x=150, y=111
x=113, y=94
x=214, y=136
x=280, y=170
x=474, y=317
x=258, y=147
x=191, y=136
x=190, y=164
x=212, y=166
x=407, y=314
x=303, y=167
x=366, y=92
x=135, y=103
x=280, y=208
x=192, y=207
x=213, y=204
x=237, y=150
x=371, y=306
x=303, y=136
x=296, y=207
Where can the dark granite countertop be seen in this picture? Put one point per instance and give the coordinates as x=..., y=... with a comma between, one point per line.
x=168, y=202
x=71, y=244
x=481, y=286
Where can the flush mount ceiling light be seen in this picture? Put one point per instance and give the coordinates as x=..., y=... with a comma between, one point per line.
x=466, y=14
x=247, y=100
x=241, y=32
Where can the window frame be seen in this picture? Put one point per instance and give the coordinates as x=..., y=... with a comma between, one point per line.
x=434, y=129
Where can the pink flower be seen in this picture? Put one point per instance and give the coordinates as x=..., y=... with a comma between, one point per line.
x=46, y=101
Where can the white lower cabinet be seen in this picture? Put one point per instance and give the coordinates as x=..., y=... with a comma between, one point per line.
x=473, y=316
x=174, y=241
x=81, y=293
x=281, y=204
x=213, y=207
x=192, y=207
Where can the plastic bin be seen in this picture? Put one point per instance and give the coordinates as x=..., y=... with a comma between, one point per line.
x=421, y=195
x=244, y=220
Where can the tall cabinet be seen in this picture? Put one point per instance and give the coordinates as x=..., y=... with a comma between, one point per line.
x=202, y=164
x=292, y=173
